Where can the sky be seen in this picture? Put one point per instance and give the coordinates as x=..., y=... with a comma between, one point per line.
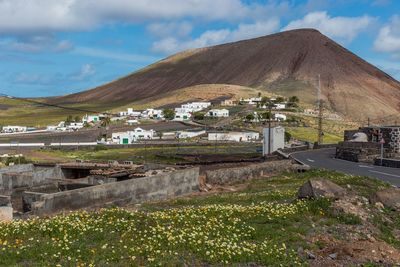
x=58, y=47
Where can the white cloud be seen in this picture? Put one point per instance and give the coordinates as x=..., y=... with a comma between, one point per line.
x=23, y=16
x=50, y=79
x=343, y=28
x=86, y=71
x=214, y=37
x=28, y=78
x=35, y=44
x=163, y=30
x=388, y=39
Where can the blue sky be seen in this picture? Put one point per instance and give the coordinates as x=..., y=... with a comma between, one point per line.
x=56, y=47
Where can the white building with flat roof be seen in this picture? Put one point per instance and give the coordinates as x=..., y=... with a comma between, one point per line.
x=14, y=129
x=279, y=106
x=234, y=136
x=218, y=113
x=182, y=116
x=151, y=113
x=280, y=117
x=129, y=137
x=74, y=126
x=196, y=106
x=91, y=118
x=189, y=134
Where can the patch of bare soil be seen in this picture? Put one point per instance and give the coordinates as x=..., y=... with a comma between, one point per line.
x=353, y=252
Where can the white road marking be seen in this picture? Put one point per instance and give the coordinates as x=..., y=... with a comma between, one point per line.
x=365, y=166
x=310, y=160
x=384, y=173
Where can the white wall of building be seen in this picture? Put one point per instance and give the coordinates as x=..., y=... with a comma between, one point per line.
x=14, y=129
x=130, y=137
x=234, y=136
x=277, y=139
x=218, y=113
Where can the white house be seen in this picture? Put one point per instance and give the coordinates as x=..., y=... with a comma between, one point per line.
x=183, y=110
x=182, y=116
x=129, y=137
x=14, y=129
x=251, y=101
x=234, y=136
x=75, y=126
x=91, y=119
x=196, y=106
x=189, y=134
x=218, y=113
x=279, y=106
x=129, y=112
x=152, y=113
x=228, y=102
x=280, y=117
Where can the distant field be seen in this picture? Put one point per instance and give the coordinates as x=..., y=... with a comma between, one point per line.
x=199, y=92
x=311, y=135
x=156, y=154
x=14, y=111
x=23, y=113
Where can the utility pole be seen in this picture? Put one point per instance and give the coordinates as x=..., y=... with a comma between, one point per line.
x=269, y=127
x=320, y=112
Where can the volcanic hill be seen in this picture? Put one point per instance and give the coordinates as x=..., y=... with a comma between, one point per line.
x=286, y=63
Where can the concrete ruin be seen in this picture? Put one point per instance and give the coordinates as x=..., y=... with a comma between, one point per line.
x=31, y=189
x=363, y=144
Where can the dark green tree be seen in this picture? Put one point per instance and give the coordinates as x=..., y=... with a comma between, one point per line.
x=250, y=117
x=169, y=114
x=198, y=116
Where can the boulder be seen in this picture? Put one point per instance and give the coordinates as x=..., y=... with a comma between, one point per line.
x=317, y=188
x=389, y=197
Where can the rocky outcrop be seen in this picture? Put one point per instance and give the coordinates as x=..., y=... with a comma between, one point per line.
x=389, y=197
x=317, y=188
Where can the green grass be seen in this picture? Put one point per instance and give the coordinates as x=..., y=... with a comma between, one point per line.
x=19, y=112
x=310, y=134
x=156, y=154
x=262, y=223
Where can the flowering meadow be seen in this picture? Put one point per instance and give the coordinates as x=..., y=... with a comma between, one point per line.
x=263, y=224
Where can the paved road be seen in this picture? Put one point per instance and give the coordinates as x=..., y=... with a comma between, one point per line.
x=324, y=158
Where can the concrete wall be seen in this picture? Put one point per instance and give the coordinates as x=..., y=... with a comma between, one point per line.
x=26, y=175
x=130, y=191
x=231, y=175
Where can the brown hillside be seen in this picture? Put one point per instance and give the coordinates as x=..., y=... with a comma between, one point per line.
x=285, y=63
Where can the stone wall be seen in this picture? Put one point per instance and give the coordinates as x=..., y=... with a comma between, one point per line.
x=232, y=175
x=393, y=163
x=358, y=151
x=156, y=187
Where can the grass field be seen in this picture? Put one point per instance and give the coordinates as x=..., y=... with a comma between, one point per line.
x=311, y=135
x=160, y=154
x=18, y=112
x=262, y=223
